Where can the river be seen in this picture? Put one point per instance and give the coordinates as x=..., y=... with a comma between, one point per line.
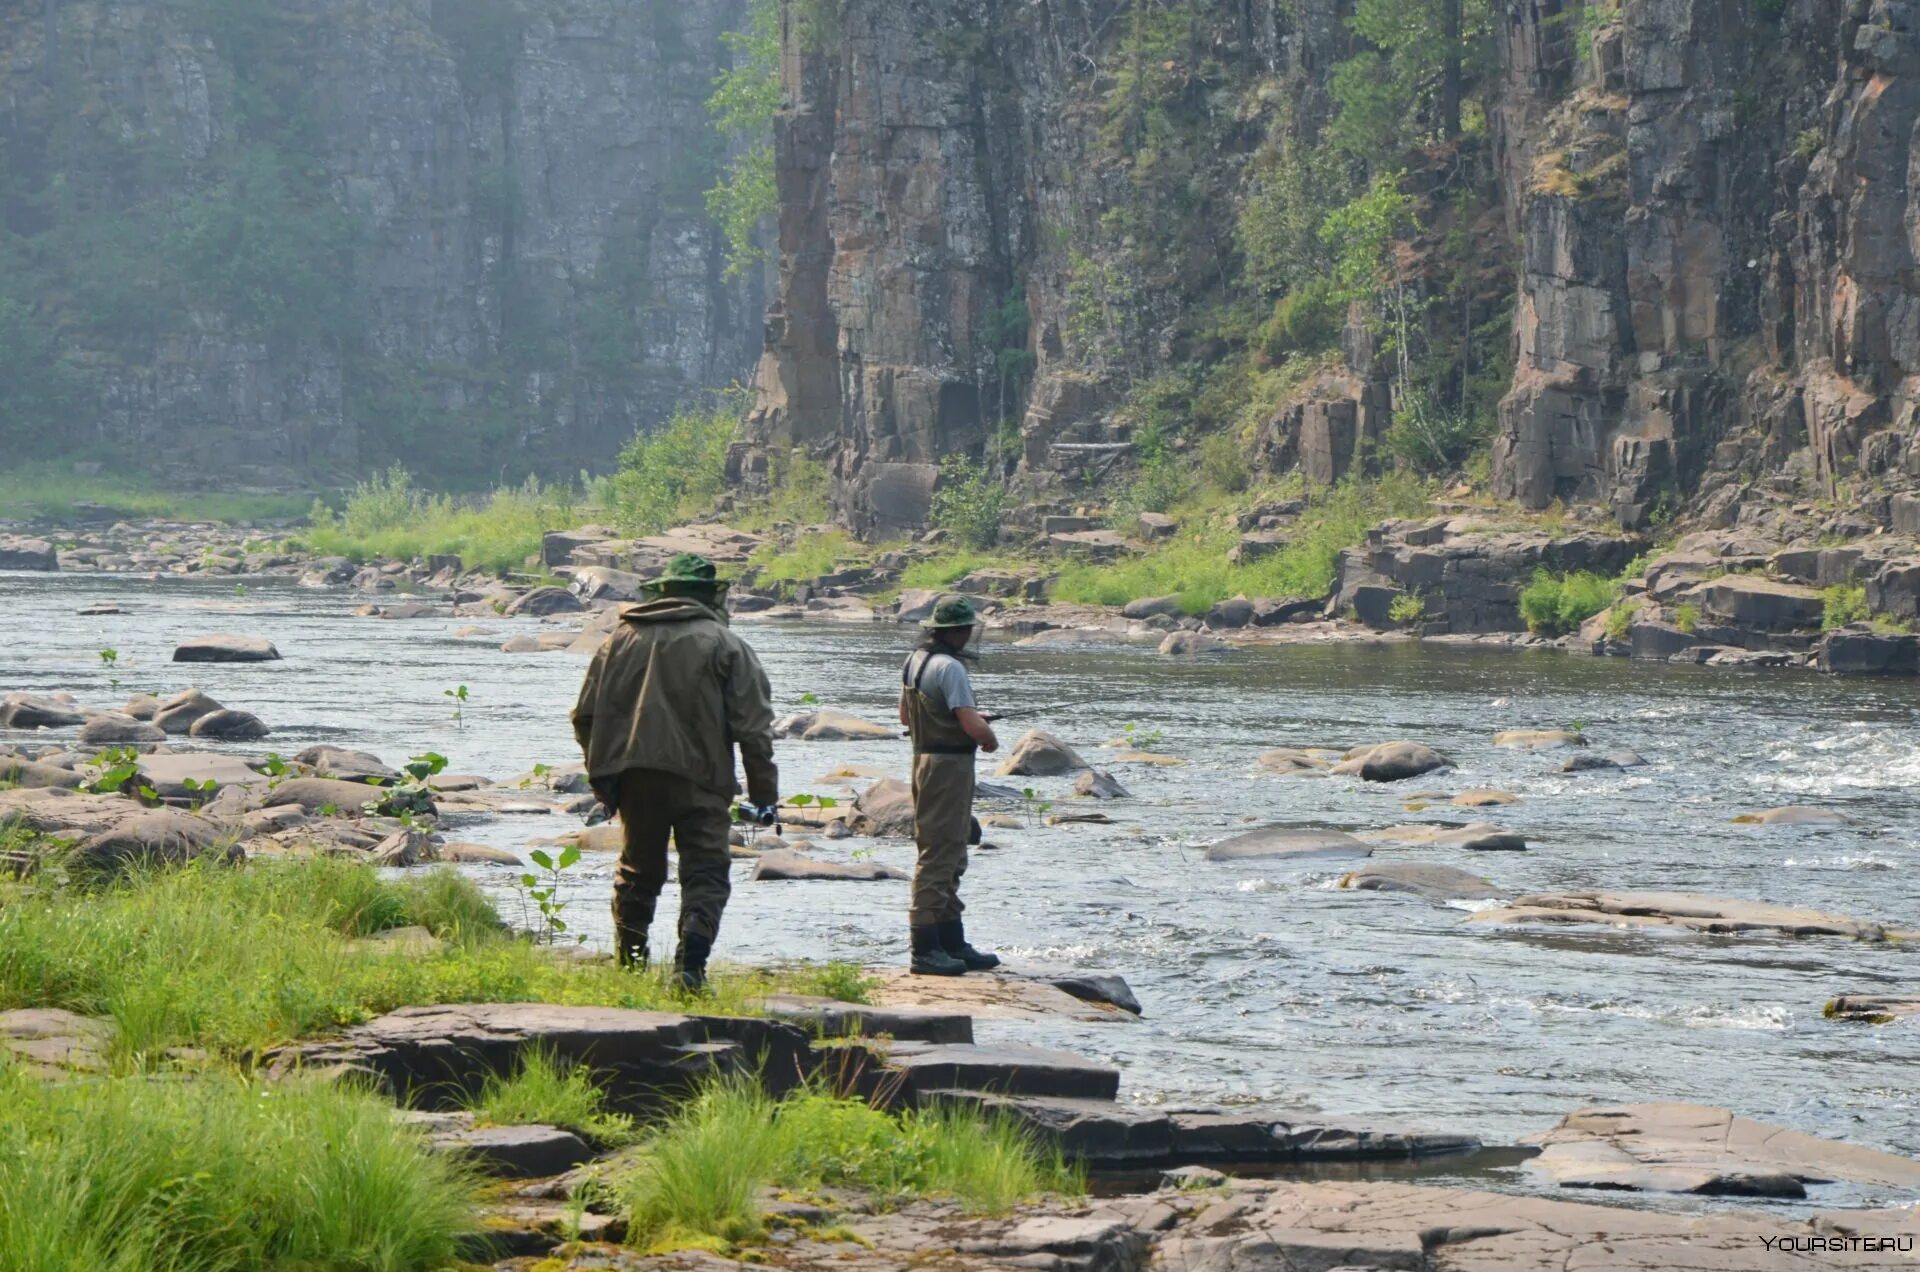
x=1260, y=983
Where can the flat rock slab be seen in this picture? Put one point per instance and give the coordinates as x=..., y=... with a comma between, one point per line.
x=1421, y=879
x=828, y=1018
x=1475, y=837
x=993, y=995
x=515, y=1152
x=1696, y=1148
x=1252, y=1136
x=224, y=648
x=55, y=1043
x=433, y=1055
x=1097, y=1132
x=1004, y=1069
x=1680, y=910
x=1538, y=739
x=1289, y=843
x=169, y=774
x=1795, y=815
x=1873, y=1009
x=785, y=864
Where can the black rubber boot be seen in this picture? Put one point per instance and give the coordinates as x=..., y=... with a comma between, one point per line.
x=630, y=952
x=953, y=938
x=690, y=961
x=930, y=957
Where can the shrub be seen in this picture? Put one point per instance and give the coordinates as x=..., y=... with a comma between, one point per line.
x=1306, y=320
x=218, y=1173
x=1620, y=620
x=1406, y=608
x=1843, y=604
x=1686, y=617
x=1223, y=463
x=677, y=470
x=1157, y=485
x=970, y=503
x=1433, y=436
x=1553, y=605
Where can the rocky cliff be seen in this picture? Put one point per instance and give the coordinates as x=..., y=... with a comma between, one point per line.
x=294, y=240
x=1006, y=228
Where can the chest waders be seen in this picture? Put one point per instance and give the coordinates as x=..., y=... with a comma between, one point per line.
x=943, y=781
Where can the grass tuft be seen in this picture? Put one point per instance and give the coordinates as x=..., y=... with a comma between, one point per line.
x=546, y=1090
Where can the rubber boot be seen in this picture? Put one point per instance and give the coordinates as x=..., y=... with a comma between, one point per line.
x=630, y=951
x=690, y=961
x=953, y=938
x=930, y=957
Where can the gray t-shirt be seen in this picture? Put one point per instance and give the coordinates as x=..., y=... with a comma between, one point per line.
x=946, y=680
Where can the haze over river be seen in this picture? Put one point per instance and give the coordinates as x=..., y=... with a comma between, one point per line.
x=1260, y=981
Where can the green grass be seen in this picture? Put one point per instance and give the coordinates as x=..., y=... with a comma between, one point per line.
x=238, y=960
x=1686, y=617
x=1194, y=565
x=948, y=568
x=218, y=1174
x=387, y=516
x=49, y=491
x=701, y=1175
x=546, y=1090
x=1843, y=604
x=1555, y=604
x=810, y=557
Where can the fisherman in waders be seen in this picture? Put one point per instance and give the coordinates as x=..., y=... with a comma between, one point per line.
x=668, y=697
x=936, y=705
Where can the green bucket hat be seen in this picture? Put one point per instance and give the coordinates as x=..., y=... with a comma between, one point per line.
x=953, y=611
x=686, y=574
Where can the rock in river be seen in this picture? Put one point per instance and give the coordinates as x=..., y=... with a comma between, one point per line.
x=1424, y=879
x=831, y=726
x=1696, y=1148
x=229, y=726
x=113, y=729
x=347, y=766
x=1473, y=837
x=1795, y=815
x=1177, y=644
x=23, y=711
x=543, y=601
x=1539, y=739
x=177, y=714
x=1097, y=785
x=225, y=648
x=885, y=808
x=782, y=864
x=1873, y=1009
x=1587, y=761
x=1680, y=910
x=1390, y=762
x=1041, y=754
x=1289, y=843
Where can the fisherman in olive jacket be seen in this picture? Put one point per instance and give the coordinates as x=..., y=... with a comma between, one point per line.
x=669, y=695
x=936, y=705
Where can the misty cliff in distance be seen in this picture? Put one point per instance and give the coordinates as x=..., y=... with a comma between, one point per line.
x=289, y=241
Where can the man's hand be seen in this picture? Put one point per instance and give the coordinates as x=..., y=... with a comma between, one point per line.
x=976, y=727
x=607, y=791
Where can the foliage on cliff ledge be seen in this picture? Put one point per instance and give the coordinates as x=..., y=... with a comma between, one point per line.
x=745, y=97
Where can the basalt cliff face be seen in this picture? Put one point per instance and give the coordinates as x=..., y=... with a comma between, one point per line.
x=291, y=241
x=1689, y=222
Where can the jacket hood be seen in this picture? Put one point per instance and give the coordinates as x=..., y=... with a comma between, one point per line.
x=671, y=609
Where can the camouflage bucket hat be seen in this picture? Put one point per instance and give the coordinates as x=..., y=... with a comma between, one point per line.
x=686, y=573
x=953, y=611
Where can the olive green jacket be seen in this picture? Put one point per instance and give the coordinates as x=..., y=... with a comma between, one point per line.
x=674, y=690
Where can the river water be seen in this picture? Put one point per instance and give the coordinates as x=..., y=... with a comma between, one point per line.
x=1260, y=982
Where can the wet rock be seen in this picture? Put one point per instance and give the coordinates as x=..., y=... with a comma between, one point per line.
x=1391, y=762
x=1151, y=607
x=1183, y=644
x=1107, y=988
x=1097, y=785
x=22, y=711
x=885, y=809
x=226, y=648
x=1587, y=761
x=540, y=602
x=154, y=837
x=1483, y=798
x=18, y=553
x=1696, y=1148
x=832, y=726
x=1685, y=910
x=405, y=610
x=1873, y=1009
x=1289, y=843
x=1423, y=879
x=228, y=725
x=1000, y=994
x=1254, y=1136
x=827, y=1018
x=781, y=864
x=1041, y=754
x=176, y=714
x=119, y=730
x=1539, y=739
x=1796, y=815
x=1149, y=758
x=345, y=765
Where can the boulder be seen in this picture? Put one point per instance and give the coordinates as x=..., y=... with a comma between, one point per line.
x=1696, y=1148
x=1289, y=843
x=1796, y=815
x=1151, y=607
x=1274, y=611
x=478, y=854
x=1474, y=837
x=784, y=864
x=1588, y=761
x=1094, y=1132
x=224, y=648
x=1755, y=601
x=1293, y=760
x=349, y=766
x=831, y=726
x=541, y=643
x=152, y=837
x=1155, y=527
x=1684, y=910
x=1895, y=589
x=557, y=547
x=33, y=776
x=604, y=583
x=113, y=729
x=142, y=706
x=315, y=794
x=1390, y=762
x=540, y=602
x=1483, y=798
x=1097, y=785
x=1233, y=612
x=885, y=809
x=1041, y=754
x=1180, y=644
x=1424, y=879
x=17, y=553
x=1864, y=652
x=23, y=711
x=1539, y=739
x=168, y=775
x=177, y=714
x=229, y=726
